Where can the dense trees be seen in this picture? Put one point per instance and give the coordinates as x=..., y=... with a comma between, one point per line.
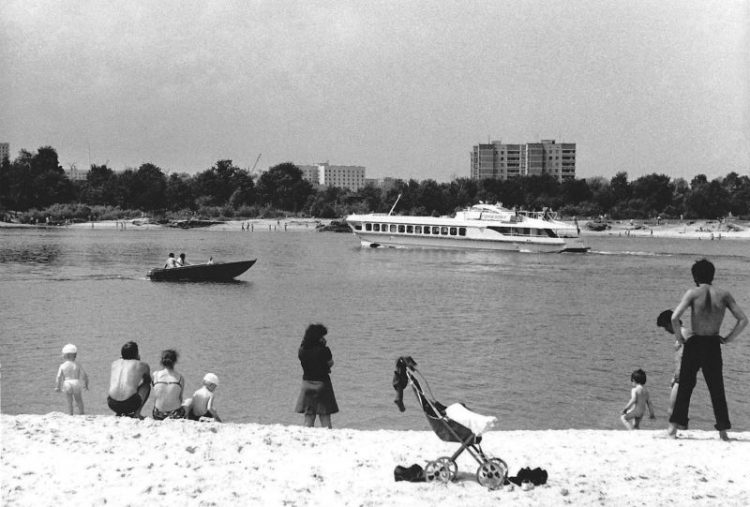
x=36, y=181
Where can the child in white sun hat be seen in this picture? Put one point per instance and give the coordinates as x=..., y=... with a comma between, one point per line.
x=72, y=378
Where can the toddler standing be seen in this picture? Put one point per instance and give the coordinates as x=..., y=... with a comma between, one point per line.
x=71, y=378
x=639, y=400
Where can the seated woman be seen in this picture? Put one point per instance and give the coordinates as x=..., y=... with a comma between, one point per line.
x=168, y=386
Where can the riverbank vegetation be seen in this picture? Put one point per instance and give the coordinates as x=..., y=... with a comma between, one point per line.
x=34, y=187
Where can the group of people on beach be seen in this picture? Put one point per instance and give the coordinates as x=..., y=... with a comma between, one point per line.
x=697, y=347
x=131, y=383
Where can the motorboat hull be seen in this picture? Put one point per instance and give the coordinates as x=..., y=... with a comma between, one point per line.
x=217, y=272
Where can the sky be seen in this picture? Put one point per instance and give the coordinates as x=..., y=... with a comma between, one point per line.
x=403, y=88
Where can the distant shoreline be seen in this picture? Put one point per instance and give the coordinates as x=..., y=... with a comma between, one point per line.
x=698, y=229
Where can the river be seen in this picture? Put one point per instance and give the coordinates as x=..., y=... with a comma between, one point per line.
x=542, y=341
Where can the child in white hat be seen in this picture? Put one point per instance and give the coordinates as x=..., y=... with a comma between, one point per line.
x=201, y=405
x=71, y=378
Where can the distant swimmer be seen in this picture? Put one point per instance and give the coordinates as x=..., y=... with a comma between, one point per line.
x=71, y=378
x=702, y=350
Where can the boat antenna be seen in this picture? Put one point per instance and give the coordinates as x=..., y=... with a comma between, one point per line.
x=394, y=204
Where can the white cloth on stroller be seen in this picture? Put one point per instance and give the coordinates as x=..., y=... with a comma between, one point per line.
x=477, y=423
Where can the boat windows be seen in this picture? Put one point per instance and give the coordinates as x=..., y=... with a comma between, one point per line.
x=393, y=228
x=417, y=229
x=357, y=227
x=368, y=227
x=462, y=231
x=444, y=231
x=410, y=229
x=401, y=228
x=376, y=227
x=435, y=229
x=426, y=229
x=453, y=231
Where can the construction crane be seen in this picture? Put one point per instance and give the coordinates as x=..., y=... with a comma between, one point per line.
x=256, y=162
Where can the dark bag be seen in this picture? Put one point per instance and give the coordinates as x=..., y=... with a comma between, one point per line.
x=413, y=473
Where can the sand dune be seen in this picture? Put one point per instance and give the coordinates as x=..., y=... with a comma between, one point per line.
x=57, y=459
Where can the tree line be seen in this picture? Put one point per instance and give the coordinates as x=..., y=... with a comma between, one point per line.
x=35, y=185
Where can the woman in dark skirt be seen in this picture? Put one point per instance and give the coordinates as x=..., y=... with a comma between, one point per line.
x=316, y=396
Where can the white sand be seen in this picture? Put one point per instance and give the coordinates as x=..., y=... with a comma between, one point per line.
x=96, y=460
x=699, y=229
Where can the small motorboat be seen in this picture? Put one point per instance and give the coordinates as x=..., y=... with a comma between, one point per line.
x=214, y=272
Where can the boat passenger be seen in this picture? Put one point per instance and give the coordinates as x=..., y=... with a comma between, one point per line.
x=171, y=262
x=181, y=261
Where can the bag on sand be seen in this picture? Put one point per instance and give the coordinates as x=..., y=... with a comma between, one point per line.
x=536, y=477
x=413, y=473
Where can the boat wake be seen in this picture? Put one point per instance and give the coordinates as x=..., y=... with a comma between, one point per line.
x=631, y=253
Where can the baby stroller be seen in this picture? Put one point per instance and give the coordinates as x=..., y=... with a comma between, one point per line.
x=492, y=472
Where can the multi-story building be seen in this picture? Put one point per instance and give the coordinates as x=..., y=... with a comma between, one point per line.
x=500, y=161
x=75, y=174
x=342, y=176
x=4, y=151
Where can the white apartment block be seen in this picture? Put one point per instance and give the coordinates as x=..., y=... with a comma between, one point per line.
x=4, y=151
x=342, y=176
x=496, y=160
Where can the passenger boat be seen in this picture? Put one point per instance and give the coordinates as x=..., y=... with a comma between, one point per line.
x=481, y=226
x=215, y=272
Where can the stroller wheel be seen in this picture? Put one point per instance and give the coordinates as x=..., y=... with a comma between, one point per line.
x=492, y=473
x=449, y=465
x=439, y=470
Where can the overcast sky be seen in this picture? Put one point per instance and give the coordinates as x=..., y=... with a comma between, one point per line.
x=403, y=88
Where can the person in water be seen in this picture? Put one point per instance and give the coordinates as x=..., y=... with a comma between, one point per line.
x=129, y=383
x=639, y=401
x=201, y=405
x=171, y=261
x=71, y=378
x=702, y=351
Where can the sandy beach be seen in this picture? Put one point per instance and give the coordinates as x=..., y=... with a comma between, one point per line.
x=56, y=459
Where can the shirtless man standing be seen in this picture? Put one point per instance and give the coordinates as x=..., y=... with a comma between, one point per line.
x=129, y=383
x=702, y=350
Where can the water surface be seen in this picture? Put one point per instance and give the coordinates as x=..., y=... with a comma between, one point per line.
x=539, y=340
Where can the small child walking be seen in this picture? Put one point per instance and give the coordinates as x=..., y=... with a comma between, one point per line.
x=639, y=400
x=202, y=402
x=72, y=378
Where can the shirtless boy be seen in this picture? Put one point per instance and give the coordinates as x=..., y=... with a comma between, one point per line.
x=71, y=378
x=202, y=403
x=639, y=401
x=129, y=383
x=702, y=350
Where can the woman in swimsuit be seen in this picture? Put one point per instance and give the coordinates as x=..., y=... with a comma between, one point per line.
x=168, y=386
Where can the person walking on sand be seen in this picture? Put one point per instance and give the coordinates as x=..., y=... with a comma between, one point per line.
x=702, y=351
x=639, y=401
x=129, y=383
x=71, y=378
x=316, y=396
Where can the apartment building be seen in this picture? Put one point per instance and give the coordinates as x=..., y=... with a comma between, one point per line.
x=4, y=151
x=327, y=175
x=496, y=160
